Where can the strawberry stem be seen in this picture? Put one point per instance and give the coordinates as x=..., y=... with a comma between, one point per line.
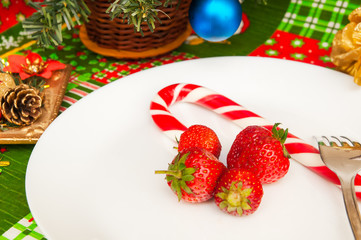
x=176, y=173
x=234, y=198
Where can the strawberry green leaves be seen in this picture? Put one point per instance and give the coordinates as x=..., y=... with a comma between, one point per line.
x=178, y=174
x=235, y=198
x=281, y=135
x=193, y=174
x=239, y=192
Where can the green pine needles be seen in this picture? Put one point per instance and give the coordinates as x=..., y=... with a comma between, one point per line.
x=45, y=25
x=138, y=12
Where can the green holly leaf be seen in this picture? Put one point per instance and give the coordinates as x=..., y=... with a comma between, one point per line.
x=73, y=63
x=83, y=57
x=84, y=77
x=80, y=68
x=54, y=56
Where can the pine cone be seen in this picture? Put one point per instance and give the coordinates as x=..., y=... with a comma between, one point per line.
x=21, y=105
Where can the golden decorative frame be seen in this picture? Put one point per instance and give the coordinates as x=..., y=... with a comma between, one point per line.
x=53, y=98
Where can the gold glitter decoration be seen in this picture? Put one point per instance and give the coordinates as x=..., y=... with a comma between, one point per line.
x=4, y=163
x=6, y=83
x=35, y=67
x=346, y=47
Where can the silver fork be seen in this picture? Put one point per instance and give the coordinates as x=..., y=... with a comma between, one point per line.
x=343, y=157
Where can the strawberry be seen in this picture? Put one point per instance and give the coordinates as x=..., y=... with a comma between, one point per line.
x=202, y=137
x=240, y=144
x=193, y=174
x=238, y=192
x=260, y=151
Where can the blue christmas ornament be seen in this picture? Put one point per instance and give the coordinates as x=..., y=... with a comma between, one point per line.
x=215, y=20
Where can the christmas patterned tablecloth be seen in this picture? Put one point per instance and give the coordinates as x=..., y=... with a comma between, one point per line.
x=297, y=30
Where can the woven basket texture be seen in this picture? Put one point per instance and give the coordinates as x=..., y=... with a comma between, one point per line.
x=118, y=34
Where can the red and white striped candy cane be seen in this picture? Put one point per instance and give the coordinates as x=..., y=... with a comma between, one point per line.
x=299, y=150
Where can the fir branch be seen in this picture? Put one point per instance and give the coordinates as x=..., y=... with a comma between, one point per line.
x=137, y=12
x=16, y=78
x=36, y=82
x=45, y=25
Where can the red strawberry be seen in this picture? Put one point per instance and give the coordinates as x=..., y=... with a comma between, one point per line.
x=240, y=144
x=238, y=192
x=260, y=151
x=202, y=137
x=193, y=174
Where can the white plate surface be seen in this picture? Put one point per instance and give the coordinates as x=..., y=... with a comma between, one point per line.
x=91, y=174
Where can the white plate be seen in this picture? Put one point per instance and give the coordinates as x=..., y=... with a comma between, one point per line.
x=91, y=174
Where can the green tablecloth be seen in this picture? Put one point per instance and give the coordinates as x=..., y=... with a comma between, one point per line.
x=294, y=30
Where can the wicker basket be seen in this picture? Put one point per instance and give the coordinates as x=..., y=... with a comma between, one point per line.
x=118, y=39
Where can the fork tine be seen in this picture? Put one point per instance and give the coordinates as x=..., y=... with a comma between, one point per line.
x=319, y=140
x=327, y=142
x=340, y=141
x=354, y=143
x=337, y=143
x=348, y=142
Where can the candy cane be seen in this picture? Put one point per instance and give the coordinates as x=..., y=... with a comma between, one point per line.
x=299, y=150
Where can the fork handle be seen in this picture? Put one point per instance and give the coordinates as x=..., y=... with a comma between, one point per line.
x=349, y=197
